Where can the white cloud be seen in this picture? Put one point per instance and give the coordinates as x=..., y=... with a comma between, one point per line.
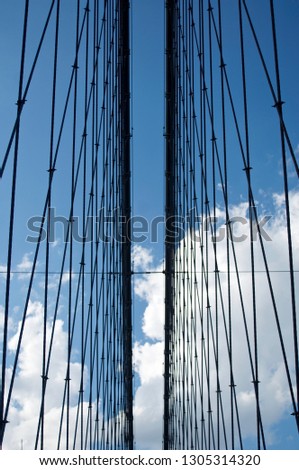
x=151, y=289
x=147, y=361
x=141, y=257
x=148, y=409
x=25, y=266
x=10, y=322
x=55, y=243
x=1, y=320
x=25, y=405
x=272, y=375
x=148, y=413
x=54, y=280
x=3, y=272
x=66, y=277
x=148, y=353
x=148, y=356
x=279, y=200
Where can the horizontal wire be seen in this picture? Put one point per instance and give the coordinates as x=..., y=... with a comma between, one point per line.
x=53, y=273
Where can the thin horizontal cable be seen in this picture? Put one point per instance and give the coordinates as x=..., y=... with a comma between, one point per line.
x=214, y=296
x=35, y=258
x=53, y=273
x=76, y=183
x=260, y=238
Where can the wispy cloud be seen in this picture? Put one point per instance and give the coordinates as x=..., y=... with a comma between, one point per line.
x=23, y=416
x=149, y=349
x=25, y=266
x=3, y=272
x=149, y=354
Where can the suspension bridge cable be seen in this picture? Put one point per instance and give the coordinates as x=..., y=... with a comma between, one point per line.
x=47, y=262
x=117, y=393
x=279, y=103
x=179, y=301
x=20, y=104
x=26, y=89
x=220, y=296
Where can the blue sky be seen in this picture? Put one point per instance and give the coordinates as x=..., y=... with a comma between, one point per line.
x=147, y=152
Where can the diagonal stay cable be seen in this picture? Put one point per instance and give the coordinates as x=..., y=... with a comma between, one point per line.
x=34, y=263
x=3, y=418
x=275, y=97
x=23, y=97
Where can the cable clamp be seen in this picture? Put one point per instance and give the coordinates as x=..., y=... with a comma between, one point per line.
x=247, y=168
x=21, y=102
x=278, y=104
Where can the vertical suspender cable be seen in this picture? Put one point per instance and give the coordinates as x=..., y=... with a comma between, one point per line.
x=72, y=201
x=125, y=130
x=279, y=103
x=50, y=180
x=20, y=104
x=169, y=208
x=248, y=169
x=26, y=89
x=230, y=333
